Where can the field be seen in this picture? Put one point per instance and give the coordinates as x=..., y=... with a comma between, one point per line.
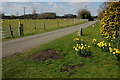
x=67, y=64
x=42, y=25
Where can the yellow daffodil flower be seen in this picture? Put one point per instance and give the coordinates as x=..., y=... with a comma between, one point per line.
x=88, y=46
x=111, y=50
x=114, y=53
x=117, y=51
x=109, y=44
x=77, y=45
x=76, y=49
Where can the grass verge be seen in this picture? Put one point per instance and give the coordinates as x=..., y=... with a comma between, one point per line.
x=101, y=65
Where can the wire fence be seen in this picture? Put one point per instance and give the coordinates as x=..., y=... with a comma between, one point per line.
x=12, y=28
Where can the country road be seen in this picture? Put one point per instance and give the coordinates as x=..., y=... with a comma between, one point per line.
x=11, y=47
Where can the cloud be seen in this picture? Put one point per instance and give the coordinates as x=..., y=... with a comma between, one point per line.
x=79, y=4
x=40, y=7
x=90, y=6
x=17, y=0
x=55, y=7
x=13, y=8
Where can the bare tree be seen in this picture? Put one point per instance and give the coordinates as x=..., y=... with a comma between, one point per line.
x=102, y=9
x=104, y=6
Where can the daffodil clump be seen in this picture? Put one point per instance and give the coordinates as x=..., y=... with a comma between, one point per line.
x=94, y=41
x=115, y=52
x=81, y=48
x=104, y=46
x=107, y=47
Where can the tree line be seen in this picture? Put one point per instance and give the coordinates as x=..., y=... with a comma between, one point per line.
x=38, y=16
x=82, y=14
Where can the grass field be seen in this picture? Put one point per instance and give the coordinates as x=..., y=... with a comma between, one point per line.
x=29, y=25
x=101, y=65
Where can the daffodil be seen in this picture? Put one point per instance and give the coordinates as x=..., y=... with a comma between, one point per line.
x=76, y=49
x=82, y=47
x=105, y=44
x=77, y=45
x=117, y=51
x=114, y=37
x=82, y=44
x=109, y=44
x=88, y=46
x=76, y=39
x=111, y=50
x=114, y=53
x=94, y=40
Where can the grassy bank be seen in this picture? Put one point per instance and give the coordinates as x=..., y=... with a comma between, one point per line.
x=100, y=65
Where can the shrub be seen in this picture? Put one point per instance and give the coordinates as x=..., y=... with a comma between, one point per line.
x=85, y=14
x=110, y=21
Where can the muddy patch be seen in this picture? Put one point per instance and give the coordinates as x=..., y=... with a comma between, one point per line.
x=45, y=55
x=68, y=67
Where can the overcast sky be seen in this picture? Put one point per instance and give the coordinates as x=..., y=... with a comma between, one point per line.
x=60, y=8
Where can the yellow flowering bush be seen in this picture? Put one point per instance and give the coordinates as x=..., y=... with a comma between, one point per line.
x=81, y=48
x=110, y=23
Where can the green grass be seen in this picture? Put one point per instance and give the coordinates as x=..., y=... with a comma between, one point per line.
x=29, y=29
x=101, y=65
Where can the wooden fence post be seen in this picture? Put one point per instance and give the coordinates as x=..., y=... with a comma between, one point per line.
x=57, y=23
x=11, y=31
x=80, y=33
x=67, y=22
x=20, y=29
x=19, y=33
x=35, y=24
x=44, y=26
